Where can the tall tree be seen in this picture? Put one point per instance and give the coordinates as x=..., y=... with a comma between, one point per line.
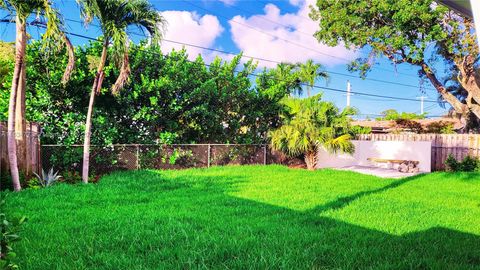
x=49, y=18
x=114, y=17
x=419, y=32
x=309, y=72
x=311, y=124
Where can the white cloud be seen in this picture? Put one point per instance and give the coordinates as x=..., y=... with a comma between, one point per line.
x=289, y=39
x=191, y=28
x=228, y=2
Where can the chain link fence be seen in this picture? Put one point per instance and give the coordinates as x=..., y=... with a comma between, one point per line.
x=107, y=159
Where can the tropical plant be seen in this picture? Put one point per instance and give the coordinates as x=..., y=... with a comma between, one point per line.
x=47, y=179
x=309, y=72
x=115, y=16
x=312, y=124
x=9, y=230
x=54, y=39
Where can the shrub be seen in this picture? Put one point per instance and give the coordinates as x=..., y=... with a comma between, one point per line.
x=71, y=177
x=440, y=127
x=408, y=125
x=468, y=164
x=451, y=163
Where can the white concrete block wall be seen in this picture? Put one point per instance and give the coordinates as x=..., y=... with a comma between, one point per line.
x=407, y=150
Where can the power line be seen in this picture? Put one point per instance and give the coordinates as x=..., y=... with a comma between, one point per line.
x=256, y=75
x=269, y=60
x=283, y=39
x=266, y=33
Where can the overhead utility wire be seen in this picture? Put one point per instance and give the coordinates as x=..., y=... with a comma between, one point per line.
x=268, y=60
x=256, y=75
x=283, y=39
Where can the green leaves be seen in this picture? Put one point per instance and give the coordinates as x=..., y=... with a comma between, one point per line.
x=115, y=16
x=9, y=230
x=165, y=94
x=401, y=29
x=418, y=32
x=311, y=124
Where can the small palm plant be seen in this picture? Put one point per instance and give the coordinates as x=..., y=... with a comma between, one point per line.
x=309, y=125
x=48, y=179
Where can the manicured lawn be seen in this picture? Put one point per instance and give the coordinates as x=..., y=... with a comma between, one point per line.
x=252, y=217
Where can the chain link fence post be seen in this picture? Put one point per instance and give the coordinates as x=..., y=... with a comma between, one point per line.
x=264, y=154
x=138, y=157
x=208, y=156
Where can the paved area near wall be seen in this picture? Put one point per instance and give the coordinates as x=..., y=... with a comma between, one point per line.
x=380, y=172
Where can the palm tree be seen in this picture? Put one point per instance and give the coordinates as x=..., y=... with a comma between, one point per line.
x=286, y=73
x=21, y=10
x=309, y=72
x=114, y=17
x=311, y=124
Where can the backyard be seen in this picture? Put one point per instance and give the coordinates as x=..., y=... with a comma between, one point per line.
x=252, y=217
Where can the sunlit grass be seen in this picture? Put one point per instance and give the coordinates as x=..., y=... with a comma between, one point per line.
x=252, y=217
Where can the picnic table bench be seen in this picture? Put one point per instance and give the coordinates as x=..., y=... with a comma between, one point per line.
x=393, y=161
x=404, y=166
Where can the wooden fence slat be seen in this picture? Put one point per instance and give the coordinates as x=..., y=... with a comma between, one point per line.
x=33, y=161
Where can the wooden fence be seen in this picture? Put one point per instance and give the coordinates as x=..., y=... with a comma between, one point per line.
x=33, y=159
x=459, y=145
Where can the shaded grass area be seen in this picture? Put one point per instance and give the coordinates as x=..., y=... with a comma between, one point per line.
x=252, y=217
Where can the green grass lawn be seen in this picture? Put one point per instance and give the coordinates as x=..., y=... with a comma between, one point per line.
x=252, y=217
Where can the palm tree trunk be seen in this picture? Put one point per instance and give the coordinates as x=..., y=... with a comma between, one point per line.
x=20, y=122
x=20, y=47
x=311, y=160
x=97, y=85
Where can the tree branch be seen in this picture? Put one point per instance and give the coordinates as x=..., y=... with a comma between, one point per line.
x=449, y=97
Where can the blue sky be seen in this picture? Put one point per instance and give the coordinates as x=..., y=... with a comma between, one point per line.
x=278, y=30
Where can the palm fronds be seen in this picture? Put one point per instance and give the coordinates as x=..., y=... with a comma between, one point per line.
x=311, y=124
x=115, y=16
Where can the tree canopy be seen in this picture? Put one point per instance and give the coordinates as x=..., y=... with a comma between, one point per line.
x=418, y=32
x=169, y=93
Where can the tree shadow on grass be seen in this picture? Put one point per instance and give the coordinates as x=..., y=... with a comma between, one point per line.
x=190, y=221
x=345, y=201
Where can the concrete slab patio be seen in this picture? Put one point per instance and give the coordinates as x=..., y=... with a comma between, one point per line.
x=380, y=172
